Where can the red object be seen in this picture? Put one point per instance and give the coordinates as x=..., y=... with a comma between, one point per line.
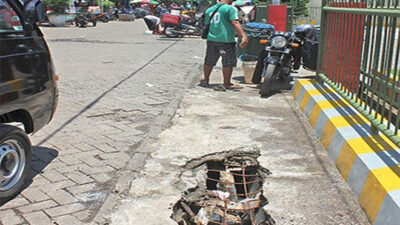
x=277, y=16
x=170, y=19
x=341, y=59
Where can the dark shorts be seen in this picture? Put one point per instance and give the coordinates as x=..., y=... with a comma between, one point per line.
x=226, y=50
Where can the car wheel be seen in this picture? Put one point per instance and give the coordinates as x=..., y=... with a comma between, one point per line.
x=15, y=160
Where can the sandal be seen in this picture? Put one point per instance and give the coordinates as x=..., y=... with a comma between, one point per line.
x=220, y=88
x=234, y=87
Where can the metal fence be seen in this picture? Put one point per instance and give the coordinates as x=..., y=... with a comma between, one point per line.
x=359, y=57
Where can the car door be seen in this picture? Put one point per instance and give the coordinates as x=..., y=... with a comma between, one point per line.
x=25, y=67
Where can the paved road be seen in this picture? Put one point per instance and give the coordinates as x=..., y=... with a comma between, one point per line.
x=118, y=86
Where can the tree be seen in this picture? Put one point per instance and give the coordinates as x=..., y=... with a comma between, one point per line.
x=300, y=6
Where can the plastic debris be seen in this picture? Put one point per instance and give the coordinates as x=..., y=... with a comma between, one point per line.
x=221, y=195
x=227, y=184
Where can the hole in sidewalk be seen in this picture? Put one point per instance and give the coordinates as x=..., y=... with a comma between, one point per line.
x=229, y=191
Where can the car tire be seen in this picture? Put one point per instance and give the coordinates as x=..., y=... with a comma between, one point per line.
x=15, y=161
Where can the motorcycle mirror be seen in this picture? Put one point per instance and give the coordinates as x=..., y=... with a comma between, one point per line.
x=263, y=42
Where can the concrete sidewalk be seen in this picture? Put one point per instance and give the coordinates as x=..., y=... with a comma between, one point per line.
x=304, y=187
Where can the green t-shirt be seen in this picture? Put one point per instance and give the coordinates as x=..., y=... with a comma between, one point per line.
x=221, y=29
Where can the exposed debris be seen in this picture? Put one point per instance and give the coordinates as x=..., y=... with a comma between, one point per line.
x=229, y=191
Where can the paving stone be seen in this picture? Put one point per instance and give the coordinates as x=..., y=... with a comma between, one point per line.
x=54, y=176
x=79, y=177
x=83, y=155
x=71, y=159
x=33, y=194
x=37, y=206
x=56, y=186
x=39, y=180
x=83, y=215
x=132, y=132
x=101, y=177
x=62, y=197
x=8, y=217
x=118, y=155
x=106, y=148
x=64, y=209
x=16, y=202
x=85, y=146
x=101, y=169
x=82, y=188
x=79, y=143
x=38, y=166
x=46, y=157
x=69, y=151
x=116, y=163
x=54, y=165
x=37, y=218
x=67, y=220
x=93, y=162
x=72, y=168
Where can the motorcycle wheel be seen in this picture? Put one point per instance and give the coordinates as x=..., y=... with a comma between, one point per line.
x=76, y=20
x=82, y=24
x=94, y=22
x=268, y=74
x=105, y=20
x=169, y=33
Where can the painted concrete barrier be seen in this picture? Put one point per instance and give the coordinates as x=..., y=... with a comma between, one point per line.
x=369, y=163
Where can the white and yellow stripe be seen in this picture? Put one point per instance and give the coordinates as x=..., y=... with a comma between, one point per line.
x=369, y=163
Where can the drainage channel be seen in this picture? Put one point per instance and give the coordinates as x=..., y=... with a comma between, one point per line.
x=229, y=191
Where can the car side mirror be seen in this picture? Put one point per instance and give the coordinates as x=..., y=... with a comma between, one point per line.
x=34, y=11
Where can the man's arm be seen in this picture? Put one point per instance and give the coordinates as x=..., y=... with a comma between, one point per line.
x=238, y=28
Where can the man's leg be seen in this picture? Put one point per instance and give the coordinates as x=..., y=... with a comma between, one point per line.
x=212, y=56
x=207, y=72
x=229, y=60
x=227, y=73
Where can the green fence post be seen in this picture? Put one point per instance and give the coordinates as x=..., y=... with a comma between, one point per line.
x=321, y=40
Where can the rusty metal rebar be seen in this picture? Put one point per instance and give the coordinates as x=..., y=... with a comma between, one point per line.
x=245, y=193
x=247, y=206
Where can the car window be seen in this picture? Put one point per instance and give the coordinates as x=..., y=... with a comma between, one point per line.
x=9, y=20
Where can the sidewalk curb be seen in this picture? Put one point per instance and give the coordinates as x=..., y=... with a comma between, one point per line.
x=369, y=163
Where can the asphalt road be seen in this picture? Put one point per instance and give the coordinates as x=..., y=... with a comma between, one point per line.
x=118, y=88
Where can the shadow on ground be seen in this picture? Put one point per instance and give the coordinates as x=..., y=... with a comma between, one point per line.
x=41, y=158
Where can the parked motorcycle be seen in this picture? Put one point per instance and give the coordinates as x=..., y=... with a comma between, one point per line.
x=102, y=17
x=284, y=53
x=175, y=26
x=83, y=19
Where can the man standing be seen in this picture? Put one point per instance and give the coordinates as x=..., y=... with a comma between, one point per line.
x=221, y=41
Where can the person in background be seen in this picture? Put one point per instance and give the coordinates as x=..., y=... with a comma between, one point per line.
x=153, y=23
x=188, y=6
x=221, y=42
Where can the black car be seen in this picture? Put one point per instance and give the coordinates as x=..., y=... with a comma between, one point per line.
x=28, y=89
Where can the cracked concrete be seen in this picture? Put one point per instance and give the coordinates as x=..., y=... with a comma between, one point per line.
x=304, y=186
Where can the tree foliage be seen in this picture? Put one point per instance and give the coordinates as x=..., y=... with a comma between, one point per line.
x=58, y=6
x=300, y=6
x=107, y=3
